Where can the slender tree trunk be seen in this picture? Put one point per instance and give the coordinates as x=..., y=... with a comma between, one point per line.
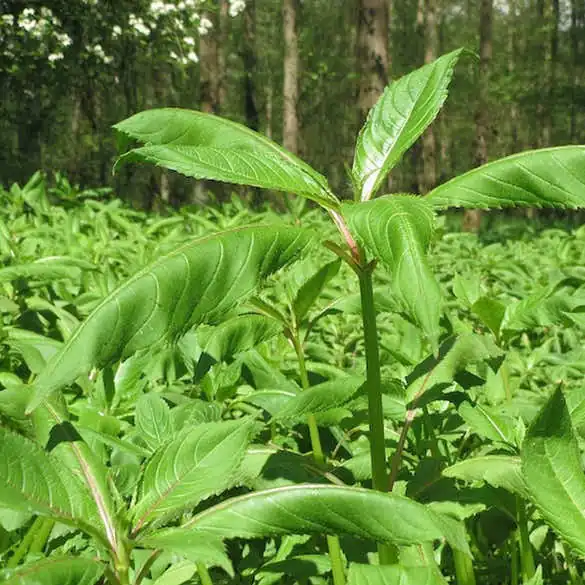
x=472, y=217
x=512, y=56
x=209, y=68
x=250, y=65
x=290, y=90
x=372, y=53
x=223, y=26
x=552, y=25
x=429, y=148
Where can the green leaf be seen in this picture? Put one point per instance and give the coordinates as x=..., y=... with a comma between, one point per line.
x=551, y=177
x=310, y=291
x=177, y=574
x=200, y=462
x=153, y=420
x=497, y=470
x=320, y=398
x=488, y=423
x=398, y=229
x=325, y=509
x=552, y=468
x=455, y=355
x=208, y=147
x=51, y=268
x=197, y=282
x=198, y=547
x=239, y=334
x=401, y=115
x=31, y=480
x=393, y=575
x=55, y=571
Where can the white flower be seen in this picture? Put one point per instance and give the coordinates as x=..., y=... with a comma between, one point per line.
x=55, y=57
x=236, y=6
x=192, y=56
x=205, y=25
x=8, y=19
x=117, y=30
x=189, y=41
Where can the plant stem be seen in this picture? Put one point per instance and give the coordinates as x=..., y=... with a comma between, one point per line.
x=25, y=543
x=204, y=575
x=527, y=565
x=42, y=535
x=337, y=564
x=513, y=546
x=387, y=554
x=463, y=568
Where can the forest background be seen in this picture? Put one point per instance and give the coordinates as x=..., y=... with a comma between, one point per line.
x=304, y=72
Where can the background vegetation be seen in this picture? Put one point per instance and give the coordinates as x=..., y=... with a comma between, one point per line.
x=301, y=72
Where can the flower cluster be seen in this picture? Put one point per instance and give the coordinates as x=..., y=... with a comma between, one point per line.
x=236, y=6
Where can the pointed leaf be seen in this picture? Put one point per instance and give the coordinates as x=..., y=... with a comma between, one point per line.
x=497, y=470
x=325, y=509
x=197, y=282
x=553, y=470
x=398, y=229
x=199, y=547
x=33, y=481
x=321, y=397
x=208, y=147
x=401, y=115
x=551, y=177
x=55, y=571
x=153, y=420
x=200, y=462
x=310, y=291
x=239, y=334
x=487, y=422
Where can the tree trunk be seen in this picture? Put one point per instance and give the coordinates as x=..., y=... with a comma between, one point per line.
x=372, y=53
x=209, y=68
x=552, y=26
x=472, y=217
x=290, y=90
x=250, y=65
x=429, y=148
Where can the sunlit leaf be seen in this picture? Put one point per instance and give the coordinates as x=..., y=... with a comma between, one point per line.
x=197, y=282
x=551, y=177
x=398, y=229
x=401, y=115
x=55, y=571
x=208, y=147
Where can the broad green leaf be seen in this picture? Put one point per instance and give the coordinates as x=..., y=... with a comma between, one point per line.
x=320, y=398
x=31, y=480
x=198, y=547
x=551, y=177
x=208, y=147
x=401, y=115
x=491, y=313
x=310, y=291
x=398, y=229
x=197, y=282
x=553, y=470
x=153, y=420
x=198, y=463
x=55, y=571
x=393, y=575
x=497, y=470
x=239, y=334
x=487, y=422
x=455, y=355
x=177, y=574
x=301, y=567
x=325, y=509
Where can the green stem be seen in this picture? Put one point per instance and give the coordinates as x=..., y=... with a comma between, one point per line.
x=41, y=537
x=335, y=556
x=514, y=569
x=527, y=564
x=387, y=554
x=464, y=572
x=204, y=575
x=573, y=572
x=25, y=543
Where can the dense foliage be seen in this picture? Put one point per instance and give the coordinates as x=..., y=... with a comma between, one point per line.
x=211, y=409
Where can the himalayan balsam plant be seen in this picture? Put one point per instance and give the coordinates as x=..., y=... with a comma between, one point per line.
x=173, y=511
